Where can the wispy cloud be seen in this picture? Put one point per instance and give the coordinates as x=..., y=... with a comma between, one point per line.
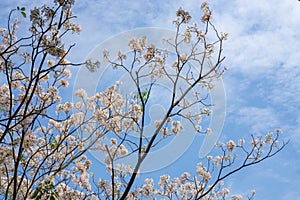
x=258, y=119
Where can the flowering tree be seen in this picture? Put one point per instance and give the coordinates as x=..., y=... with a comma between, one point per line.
x=44, y=139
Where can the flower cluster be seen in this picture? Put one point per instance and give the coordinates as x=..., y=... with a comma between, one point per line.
x=183, y=187
x=231, y=145
x=201, y=171
x=144, y=55
x=5, y=97
x=176, y=127
x=138, y=45
x=82, y=166
x=183, y=16
x=207, y=14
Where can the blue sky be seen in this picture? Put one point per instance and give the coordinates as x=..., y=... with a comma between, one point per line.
x=262, y=84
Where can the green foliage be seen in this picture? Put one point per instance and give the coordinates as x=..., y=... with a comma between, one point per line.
x=47, y=190
x=53, y=143
x=22, y=11
x=143, y=97
x=23, y=159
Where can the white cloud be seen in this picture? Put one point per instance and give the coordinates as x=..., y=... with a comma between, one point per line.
x=259, y=120
x=103, y=19
x=263, y=33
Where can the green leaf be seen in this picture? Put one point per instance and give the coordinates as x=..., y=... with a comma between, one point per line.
x=23, y=9
x=53, y=143
x=23, y=14
x=52, y=198
x=36, y=192
x=23, y=159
